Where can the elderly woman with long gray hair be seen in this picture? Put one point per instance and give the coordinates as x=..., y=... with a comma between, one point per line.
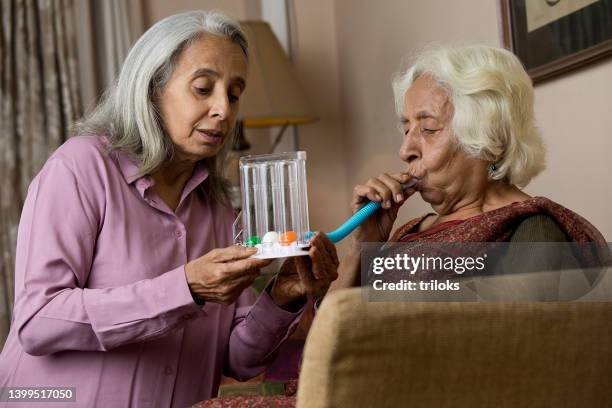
x=128, y=290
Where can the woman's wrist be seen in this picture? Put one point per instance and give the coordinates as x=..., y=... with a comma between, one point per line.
x=189, y=274
x=189, y=278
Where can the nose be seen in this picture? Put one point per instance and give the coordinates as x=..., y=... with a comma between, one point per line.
x=410, y=149
x=219, y=108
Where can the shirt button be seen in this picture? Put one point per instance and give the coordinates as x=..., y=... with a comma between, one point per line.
x=168, y=370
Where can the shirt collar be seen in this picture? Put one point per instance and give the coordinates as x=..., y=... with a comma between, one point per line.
x=200, y=173
x=128, y=166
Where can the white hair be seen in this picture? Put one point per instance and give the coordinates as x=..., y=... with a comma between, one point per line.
x=493, y=101
x=128, y=115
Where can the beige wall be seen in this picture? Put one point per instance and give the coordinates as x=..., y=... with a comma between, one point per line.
x=155, y=10
x=574, y=115
x=316, y=59
x=573, y=111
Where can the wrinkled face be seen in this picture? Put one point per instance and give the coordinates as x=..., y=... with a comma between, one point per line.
x=199, y=103
x=430, y=148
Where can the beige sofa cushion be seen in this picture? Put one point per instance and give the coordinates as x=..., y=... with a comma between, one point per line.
x=457, y=354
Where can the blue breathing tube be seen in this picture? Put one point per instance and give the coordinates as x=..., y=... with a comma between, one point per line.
x=359, y=217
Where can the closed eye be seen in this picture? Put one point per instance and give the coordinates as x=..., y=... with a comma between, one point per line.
x=202, y=91
x=233, y=98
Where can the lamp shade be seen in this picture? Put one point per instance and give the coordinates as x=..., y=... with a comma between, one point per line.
x=273, y=96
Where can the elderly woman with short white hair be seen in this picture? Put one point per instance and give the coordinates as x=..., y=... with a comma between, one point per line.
x=128, y=291
x=470, y=143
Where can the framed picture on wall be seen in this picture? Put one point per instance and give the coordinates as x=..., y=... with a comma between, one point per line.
x=555, y=36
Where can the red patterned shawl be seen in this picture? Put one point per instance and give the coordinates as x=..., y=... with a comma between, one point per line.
x=495, y=226
x=498, y=225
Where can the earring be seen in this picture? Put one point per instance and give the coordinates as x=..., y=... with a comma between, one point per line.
x=492, y=169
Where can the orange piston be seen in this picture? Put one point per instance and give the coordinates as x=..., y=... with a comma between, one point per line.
x=287, y=238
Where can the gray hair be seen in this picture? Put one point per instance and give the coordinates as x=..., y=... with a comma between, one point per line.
x=494, y=106
x=127, y=114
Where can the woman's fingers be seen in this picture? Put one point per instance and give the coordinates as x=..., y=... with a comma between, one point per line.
x=405, y=178
x=401, y=177
x=325, y=261
x=245, y=266
x=394, y=185
x=232, y=253
x=386, y=189
x=303, y=272
x=328, y=246
x=363, y=192
x=222, y=274
x=236, y=260
x=315, y=256
x=383, y=191
x=314, y=273
x=322, y=266
x=310, y=284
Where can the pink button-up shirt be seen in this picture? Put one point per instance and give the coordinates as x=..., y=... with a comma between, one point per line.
x=102, y=303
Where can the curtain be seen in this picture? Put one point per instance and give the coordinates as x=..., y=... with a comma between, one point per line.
x=39, y=99
x=56, y=59
x=107, y=29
